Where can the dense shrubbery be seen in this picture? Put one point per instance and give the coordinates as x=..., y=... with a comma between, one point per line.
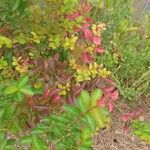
x=55, y=84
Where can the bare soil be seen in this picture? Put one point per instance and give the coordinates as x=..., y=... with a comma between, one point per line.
x=114, y=138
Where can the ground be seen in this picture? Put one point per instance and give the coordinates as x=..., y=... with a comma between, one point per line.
x=115, y=138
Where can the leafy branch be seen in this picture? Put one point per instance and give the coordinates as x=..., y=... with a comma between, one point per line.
x=75, y=127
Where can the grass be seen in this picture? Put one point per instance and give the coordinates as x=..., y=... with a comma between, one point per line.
x=127, y=47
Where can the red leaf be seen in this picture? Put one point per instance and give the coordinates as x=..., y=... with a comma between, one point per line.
x=71, y=99
x=126, y=129
x=136, y=113
x=46, y=112
x=99, y=50
x=89, y=20
x=85, y=26
x=88, y=34
x=97, y=40
x=86, y=57
x=54, y=91
x=102, y=101
x=114, y=96
x=108, y=89
x=77, y=89
x=126, y=117
x=87, y=8
x=56, y=98
x=46, y=94
x=131, y=115
x=83, y=36
x=77, y=29
x=110, y=106
x=73, y=16
x=110, y=81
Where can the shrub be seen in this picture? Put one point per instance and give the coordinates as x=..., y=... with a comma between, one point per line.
x=48, y=59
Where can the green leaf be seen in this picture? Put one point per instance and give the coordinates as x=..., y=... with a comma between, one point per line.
x=86, y=144
x=43, y=126
x=85, y=99
x=52, y=138
x=1, y=112
x=15, y=127
x=10, y=147
x=86, y=133
x=58, y=131
x=9, y=56
x=95, y=3
x=23, y=81
x=46, y=119
x=108, y=3
x=72, y=110
x=60, y=146
x=85, y=148
x=2, y=136
x=91, y=121
x=38, y=131
x=21, y=39
x=141, y=129
x=6, y=41
x=104, y=111
x=11, y=89
x=26, y=140
x=9, y=111
x=19, y=96
x=98, y=117
x=22, y=6
x=95, y=96
x=11, y=141
x=1, y=88
x=38, y=144
x=6, y=144
x=63, y=119
x=16, y=5
x=76, y=132
x=3, y=144
x=27, y=90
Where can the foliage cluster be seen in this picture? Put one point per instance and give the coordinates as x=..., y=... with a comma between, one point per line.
x=55, y=61
x=47, y=58
x=72, y=129
x=142, y=129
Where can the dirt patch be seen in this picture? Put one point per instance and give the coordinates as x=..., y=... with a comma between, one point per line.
x=115, y=138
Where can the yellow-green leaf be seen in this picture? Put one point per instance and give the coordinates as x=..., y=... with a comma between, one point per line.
x=98, y=117
x=10, y=90
x=22, y=81
x=95, y=96
x=83, y=101
x=27, y=90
